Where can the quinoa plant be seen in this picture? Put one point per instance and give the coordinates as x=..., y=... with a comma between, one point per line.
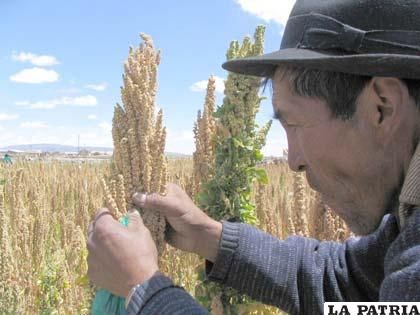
x=238, y=141
x=138, y=162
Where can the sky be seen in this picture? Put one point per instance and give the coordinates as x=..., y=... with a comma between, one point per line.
x=61, y=64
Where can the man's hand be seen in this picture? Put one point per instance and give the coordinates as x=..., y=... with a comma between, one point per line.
x=193, y=230
x=120, y=257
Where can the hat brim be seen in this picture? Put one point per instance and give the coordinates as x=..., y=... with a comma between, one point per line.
x=385, y=65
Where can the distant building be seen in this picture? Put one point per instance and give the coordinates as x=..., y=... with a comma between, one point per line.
x=84, y=153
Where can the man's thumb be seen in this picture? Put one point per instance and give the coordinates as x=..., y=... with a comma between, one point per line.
x=148, y=201
x=134, y=219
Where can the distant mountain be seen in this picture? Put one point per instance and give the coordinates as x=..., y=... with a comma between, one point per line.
x=68, y=148
x=176, y=155
x=53, y=148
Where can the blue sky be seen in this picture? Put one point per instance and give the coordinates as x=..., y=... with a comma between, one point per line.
x=62, y=62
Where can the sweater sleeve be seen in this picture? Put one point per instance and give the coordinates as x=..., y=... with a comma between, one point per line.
x=160, y=296
x=299, y=274
x=402, y=267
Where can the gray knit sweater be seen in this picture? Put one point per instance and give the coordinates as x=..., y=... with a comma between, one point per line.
x=299, y=274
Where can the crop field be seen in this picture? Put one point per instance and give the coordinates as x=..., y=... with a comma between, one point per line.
x=45, y=208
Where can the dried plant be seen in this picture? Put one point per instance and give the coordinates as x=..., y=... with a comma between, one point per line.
x=326, y=224
x=300, y=220
x=204, y=133
x=139, y=139
x=44, y=212
x=59, y=199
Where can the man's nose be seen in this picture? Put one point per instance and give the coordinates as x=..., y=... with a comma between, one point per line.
x=295, y=160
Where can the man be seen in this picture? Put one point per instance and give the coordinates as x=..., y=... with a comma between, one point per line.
x=346, y=88
x=7, y=159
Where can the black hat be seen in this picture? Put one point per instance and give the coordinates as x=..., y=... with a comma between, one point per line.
x=365, y=37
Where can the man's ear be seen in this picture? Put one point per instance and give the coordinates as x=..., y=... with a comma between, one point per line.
x=387, y=95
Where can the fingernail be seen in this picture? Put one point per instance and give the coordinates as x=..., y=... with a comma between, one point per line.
x=133, y=211
x=140, y=198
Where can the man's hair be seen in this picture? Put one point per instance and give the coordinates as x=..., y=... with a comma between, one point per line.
x=339, y=90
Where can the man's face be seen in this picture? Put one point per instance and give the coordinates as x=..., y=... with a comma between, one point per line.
x=343, y=160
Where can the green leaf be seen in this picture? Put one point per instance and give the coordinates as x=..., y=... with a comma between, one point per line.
x=258, y=155
x=82, y=280
x=237, y=143
x=251, y=169
x=261, y=176
x=248, y=207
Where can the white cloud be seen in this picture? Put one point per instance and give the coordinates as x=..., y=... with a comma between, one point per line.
x=276, y=141
x=201, y=86
x=97, y=87
x=82, y=101
x=33, y=124
x=1, y=128
x=268, y=10
x=180, y=141
x=182, y=135
x=35, y=76
x=37, y=60
x=22, y=103
x=92, y=117
x=4, y=116
x=27, y=136
x=106, y=126
x=88, y=136
x=6, y=138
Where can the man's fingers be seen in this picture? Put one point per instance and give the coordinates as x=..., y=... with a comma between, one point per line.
x=149, y=201
x=90, y=229
x=139, y=199
x=168, y=205
x=134, y=219
x=100, y=213
x=156, y=201
x=103, y=223
x=89, y=243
